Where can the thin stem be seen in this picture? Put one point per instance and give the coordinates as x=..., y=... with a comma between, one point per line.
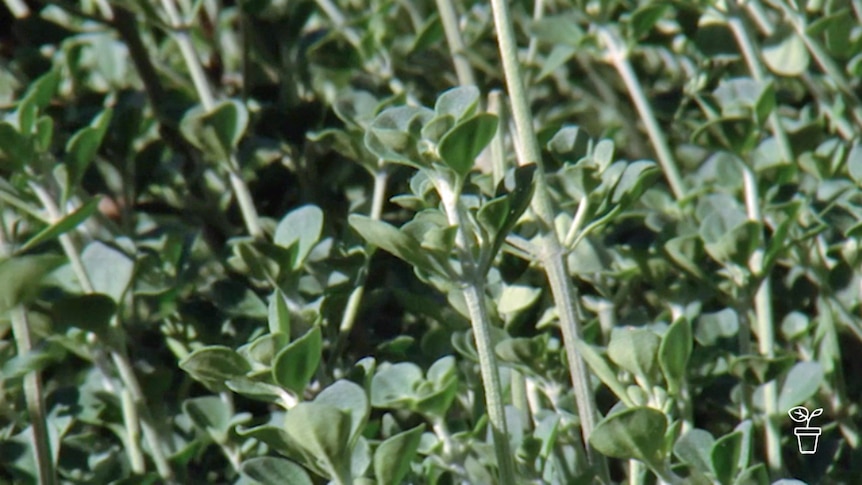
x=33, y=393
x=765, y=326
x=35, y=400
x=120, y=360
x=551, y=253
x=449, y=19
x=133, y=433
x=496, y=106
x=749, y=51
x=351, y=310
x=619, y=58
x=474, y=294
x=518, y=384
x=202, y=87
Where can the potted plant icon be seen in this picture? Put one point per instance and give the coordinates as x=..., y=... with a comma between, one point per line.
x=806, y=437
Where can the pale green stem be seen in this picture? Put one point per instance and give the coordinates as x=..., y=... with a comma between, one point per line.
x=518, y=384
x=133, y=433
x=18, y=8
x=33, y=393
x=765, y=326
x=577, y=222
x=351, y=310
x=551, y=252
x=193, y=64
x=449, y=19
x=121, y=362
x=749, y=51
x=473, y=290
x=533, y=48
x=619, y=58
x=636, y=472
x=498, y=146
x=34, y=399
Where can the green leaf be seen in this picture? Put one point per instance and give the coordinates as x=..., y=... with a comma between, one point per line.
x=323, y=431
x=351, y=399
x=91, y=312
x=645, y=17
x=784, y=52
x=214, y=365
x=21, y=277
x=390, y=135
x=802, y=382
x=82, y=148
x=15, y=149
x=463, y=143
x=252, y=389
x=713, y=326
x=600, y=367
x=64, y=225
x=110, y=270
x=635, y=350
x=754, y=475
x=674, y=352
x=459, y=102
x=854, y=163
x=560, y=55
x=392, y=386
x=725, y=456
x=518, y=188
x=695, y=448
x=515, y=298
x=279, y=315
x=303, y=227
x=632, y=434
x=296, y=364
x=217, y=132
x=635, y=179
x=558, y=29
x=390, y=239
x=38, y=359
x=269, y=470
x=41, y=91
x=211, y=415
x=264, y=348
x=570, y=144
x=393, y=457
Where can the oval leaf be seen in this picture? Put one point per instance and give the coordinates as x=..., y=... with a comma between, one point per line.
x=459, y=148
x=296, y=364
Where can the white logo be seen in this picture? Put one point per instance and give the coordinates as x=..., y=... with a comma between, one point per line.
x=806, y=437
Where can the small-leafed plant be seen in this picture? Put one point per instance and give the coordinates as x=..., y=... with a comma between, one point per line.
x=401, y=241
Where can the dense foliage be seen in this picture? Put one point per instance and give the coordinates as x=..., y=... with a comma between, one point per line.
x=404, y=241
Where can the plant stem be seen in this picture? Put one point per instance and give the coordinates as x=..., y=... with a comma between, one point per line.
x=120, y=360
x=759, y=74
x=193, y=64
x=473, y=290
x=34, y=399
x=33, y=393
x=351, y=309
x=551, y=252
x=449, y=19
x=764, y=324
x=498, y=146
x=619, y=58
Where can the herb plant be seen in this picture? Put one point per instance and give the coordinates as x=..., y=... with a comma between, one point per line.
x=404, y=241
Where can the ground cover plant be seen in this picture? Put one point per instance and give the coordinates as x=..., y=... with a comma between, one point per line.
x=402, y=241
